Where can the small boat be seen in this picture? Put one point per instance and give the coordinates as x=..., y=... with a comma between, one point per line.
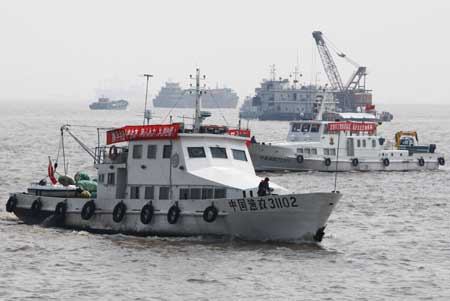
x=104, y=103
x=176, y=180
x=349, y=145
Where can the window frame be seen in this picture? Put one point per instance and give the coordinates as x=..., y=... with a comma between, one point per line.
x=218, y=147
x=240, y=151
x=154, y=148
x=192, y=149
x=135, y=192
x=161, y=189
x=135, y=154
x=149, y=188
x=167, y=147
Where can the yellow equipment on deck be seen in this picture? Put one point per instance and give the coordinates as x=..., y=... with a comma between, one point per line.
x=398, y=135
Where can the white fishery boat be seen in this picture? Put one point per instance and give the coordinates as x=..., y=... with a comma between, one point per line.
x=172, y=180
x=350, y=145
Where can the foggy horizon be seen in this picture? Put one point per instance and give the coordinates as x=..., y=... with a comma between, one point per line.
x=72, y=51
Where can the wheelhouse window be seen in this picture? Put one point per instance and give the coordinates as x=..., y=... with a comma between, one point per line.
x=134, y=192
x=207, y=193
x=111, y=178
x=137, y=151
x=101, y=178
x=149, y=192
x=218, y=152
x=167, y=151
x=296, y=127
x=315, y=128
x=374, y=143
x=196, y=193
x=164, y=193
x=196, y=152
x=305, y=127
x=239, y=155
x=151, y=151
x=184, y=194
x=220, y=193
x=358, y=143
x=364, y=143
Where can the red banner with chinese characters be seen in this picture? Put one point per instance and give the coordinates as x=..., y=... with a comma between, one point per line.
x=142, y=132
x=241, y=133
x=352, y=127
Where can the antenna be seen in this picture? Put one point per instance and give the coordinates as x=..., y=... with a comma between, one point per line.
x=146, y=115
x=273, y=72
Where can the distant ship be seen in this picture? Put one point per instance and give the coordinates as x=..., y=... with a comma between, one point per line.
x=281, y=99
x=173, y=95
x=104, y=103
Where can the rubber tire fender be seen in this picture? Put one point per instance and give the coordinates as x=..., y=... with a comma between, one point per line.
x=173, y=214
x=60, y=209
x=88, y=210
x=386, y=162
x=147, y=213
x=300, y=159
x=421, y=161
x=355, y=162
x=327, y=161
x=11, y=204
x=210, y=214
x=36, y=207
x=119, y=212
x=441, y=161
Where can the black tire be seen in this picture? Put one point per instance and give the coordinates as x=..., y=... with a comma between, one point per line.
x=11, y=204
x=147, y=213
x=327, y=161
x=210, y=214
x=300, y=159
x=173, y=214
x=421, y=162
x=119, y=212
x=88, y=210
x=355, y=162
x=60, y=209
x=36, y=207
x=441, y=161
x=386, y=162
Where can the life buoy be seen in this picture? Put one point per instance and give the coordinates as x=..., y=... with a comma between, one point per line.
x=60, y=209
x=147, y=213
x=11, y=203
x=36, y=207
x=88, y=210
x=386, y=162
x=355, y=162
x=173, y=214
x=327, y=161
x=210, y=214
x=421, y=162
x=113, y=153
x=119, y=212
x=300, y=159
x=441, y=161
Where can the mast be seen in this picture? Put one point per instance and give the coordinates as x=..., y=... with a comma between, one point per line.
x=198, y=95
x=146, y=116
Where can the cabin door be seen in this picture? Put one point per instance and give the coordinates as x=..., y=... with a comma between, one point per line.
x=121, y=183
x=350, y=147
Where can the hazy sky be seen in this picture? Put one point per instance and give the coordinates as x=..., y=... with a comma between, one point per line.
x=68, y=50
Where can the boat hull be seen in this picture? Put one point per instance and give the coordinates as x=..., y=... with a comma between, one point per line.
x=293, y=217
x=277, y=158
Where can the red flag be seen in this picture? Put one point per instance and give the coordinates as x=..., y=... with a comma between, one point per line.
x=51, y=172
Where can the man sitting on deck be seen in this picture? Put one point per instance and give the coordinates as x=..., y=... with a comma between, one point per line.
x=263, y=188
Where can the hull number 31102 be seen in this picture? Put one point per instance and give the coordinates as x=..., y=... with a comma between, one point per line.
x=263, y=203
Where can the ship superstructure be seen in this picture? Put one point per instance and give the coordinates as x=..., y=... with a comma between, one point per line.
x=173, y=95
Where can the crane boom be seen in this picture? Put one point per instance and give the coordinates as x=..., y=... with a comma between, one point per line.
x=328, y=63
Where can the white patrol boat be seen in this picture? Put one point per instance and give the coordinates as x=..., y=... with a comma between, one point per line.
x=344, y=146
x=170, y=180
